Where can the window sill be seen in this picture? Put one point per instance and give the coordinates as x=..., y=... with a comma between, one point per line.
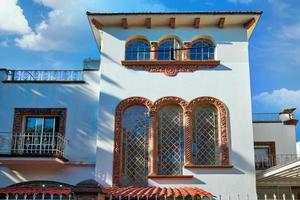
x=208, y=166
x=170, y=67
x=170, y=176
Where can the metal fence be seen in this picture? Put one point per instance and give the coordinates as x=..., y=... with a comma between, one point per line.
x=44, y=75
x=42, y=196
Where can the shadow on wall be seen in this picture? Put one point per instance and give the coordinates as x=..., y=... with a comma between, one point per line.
x=81, y=101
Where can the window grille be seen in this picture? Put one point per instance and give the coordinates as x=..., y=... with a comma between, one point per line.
x=135, y=131
x=167, y=50
x=170, y=140
x=202, y=50
x=138, y=50
x=206, y=150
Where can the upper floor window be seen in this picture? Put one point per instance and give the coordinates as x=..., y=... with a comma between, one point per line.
x=38, y=125
x=170, y=140
x=206, y=148
x=138, y=50
x=202, y=49
x=135, y=133
x=169, y=49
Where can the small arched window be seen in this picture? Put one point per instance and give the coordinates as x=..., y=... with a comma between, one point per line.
x=138, y=50
x=202, y=49
x=206, y=148
x=170, y=140
x=169, y=49
x=135, y=133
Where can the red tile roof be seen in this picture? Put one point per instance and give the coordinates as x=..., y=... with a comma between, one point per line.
x=143, y=192
x=35, y=190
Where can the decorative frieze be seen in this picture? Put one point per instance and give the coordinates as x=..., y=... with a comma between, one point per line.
x=169, y=67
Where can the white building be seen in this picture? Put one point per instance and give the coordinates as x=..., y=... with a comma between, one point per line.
x=168, y=106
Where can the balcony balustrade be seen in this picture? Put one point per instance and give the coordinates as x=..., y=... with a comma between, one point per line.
x=44, y=75
x=265, y=162
x=46, y=144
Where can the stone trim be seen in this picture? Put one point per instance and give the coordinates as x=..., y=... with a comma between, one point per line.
x=169, y=67
x=188, y=133
x=118, y=133
x=22, y=113
x=223, y=122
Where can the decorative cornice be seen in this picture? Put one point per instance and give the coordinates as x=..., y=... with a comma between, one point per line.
x=170, y=67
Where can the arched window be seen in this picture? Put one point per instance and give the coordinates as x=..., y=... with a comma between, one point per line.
x=168, y=49
x=135, y=132
x=206, y=148
x=170, y=140
x=202, y=50
x=138, y=50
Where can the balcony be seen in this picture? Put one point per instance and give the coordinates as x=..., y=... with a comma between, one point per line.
x=266, y=162
x=29, y=146
x=46, y=76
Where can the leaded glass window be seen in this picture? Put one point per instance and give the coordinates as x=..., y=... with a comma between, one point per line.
x=138, y=50
x=169, y=50
x=202, y=50
x=135, y=132
x=170, y=140
x=206, y=149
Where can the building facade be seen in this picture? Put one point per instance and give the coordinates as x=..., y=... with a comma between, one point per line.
x=168, y=106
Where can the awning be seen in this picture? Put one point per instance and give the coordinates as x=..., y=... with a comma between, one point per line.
x=20, y=190
x=288, y=173
x=151, y=192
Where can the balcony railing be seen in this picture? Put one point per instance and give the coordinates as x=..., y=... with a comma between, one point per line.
x=265, y=117
x=42, y=144
x=45, y=75
x=32, y=144
x=265, y=162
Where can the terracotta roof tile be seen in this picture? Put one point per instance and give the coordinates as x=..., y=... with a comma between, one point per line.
x=151, y=192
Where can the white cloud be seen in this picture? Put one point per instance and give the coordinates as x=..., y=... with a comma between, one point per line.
x=282, y=98
x=12, y=19
x=67, y=23
x=290, y=31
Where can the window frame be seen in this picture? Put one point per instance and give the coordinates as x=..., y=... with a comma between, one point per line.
x=146, y=55
x=211, y=46
x=177, y=53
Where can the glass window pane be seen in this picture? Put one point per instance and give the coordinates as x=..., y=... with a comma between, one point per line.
x=135, y=132
x=206, y=150
x=202, y=50
x=170, y=140
x=165, y=47
x=30, y=124
x=49, y=124
x=137, y=50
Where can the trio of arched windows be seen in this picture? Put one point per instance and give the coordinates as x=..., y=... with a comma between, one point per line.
x=170, y=49
x=170, y=127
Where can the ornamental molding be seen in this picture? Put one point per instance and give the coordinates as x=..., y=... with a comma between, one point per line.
x=169, y=67
x=223, y=117
x=153, y=143
x=118, y=133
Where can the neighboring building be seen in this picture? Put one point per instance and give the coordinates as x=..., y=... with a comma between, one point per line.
x=169, y=105
x=276, y=158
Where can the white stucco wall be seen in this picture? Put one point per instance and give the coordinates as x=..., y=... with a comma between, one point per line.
x=229, y=83
x=284, y=136
x=81, y=101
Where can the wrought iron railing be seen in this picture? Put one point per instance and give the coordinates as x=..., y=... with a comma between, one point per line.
x=44, y=75
x=265, y=162
x=43, y=144
x=265, y=117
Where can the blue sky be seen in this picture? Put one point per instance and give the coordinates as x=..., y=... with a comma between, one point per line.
x=55, y=34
